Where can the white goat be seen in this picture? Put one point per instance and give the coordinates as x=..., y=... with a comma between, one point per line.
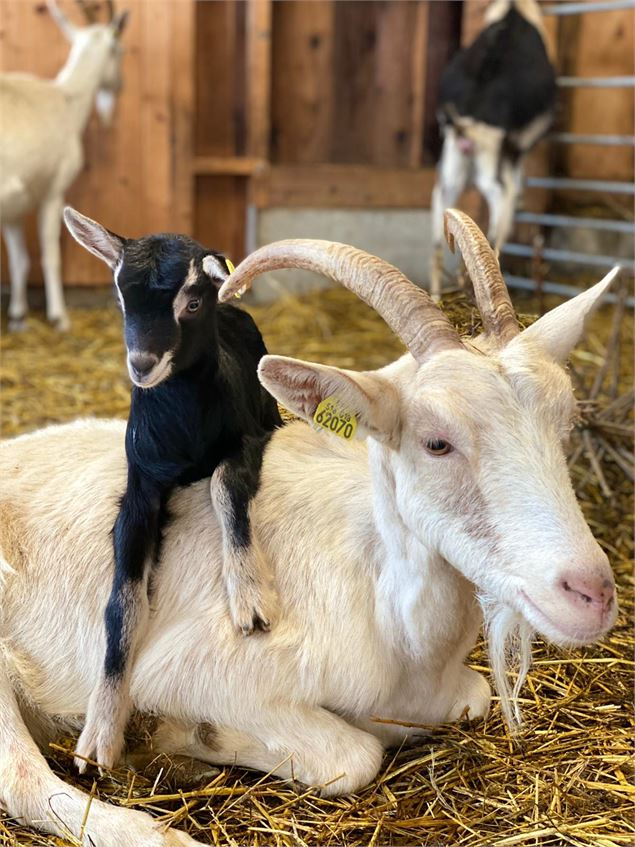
x=41, y=149
x=382, y=548
x=496, y=101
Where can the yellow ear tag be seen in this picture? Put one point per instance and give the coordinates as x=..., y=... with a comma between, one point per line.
x=330, y=416
x=231, y=268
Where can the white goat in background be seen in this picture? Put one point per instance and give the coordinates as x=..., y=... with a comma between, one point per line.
x=381, y=549
x=41, y=149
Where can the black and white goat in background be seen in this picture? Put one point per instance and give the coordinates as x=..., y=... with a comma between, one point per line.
x=197, y=409
x=496, y=100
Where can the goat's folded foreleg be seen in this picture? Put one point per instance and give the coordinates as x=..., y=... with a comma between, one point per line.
x=31, y=793
x=248, y=578
x=136, y=540
x=292, y=741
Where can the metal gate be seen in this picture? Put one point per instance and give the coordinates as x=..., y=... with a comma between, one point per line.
x=599, y=185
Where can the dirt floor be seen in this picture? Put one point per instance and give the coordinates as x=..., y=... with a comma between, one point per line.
x=567, y=778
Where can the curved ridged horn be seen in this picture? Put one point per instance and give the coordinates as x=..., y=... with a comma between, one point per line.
x=492, y=297
x=409, y=311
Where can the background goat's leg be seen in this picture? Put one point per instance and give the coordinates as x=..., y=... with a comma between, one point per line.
x=452, y=177
x=18, y=271
x=499, y=185
x=249, y=582
x=50, y=222
x=136, y=539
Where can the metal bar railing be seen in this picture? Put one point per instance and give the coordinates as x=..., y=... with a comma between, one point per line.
x=596, y=81
x=553, y=255
x=608, y=186
x=600, y=185
x=527, y=284
x=600, y=140
x=571, y=221
x=582, y=8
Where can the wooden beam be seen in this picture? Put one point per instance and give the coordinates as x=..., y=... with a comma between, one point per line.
x=221, y=214
x=342, y=186
x=258, y=59
x=182, y=74
x=418, y=86
x=228, y=165
x=303, y=87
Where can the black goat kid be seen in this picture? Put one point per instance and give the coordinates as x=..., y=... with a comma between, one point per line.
x=197, y=410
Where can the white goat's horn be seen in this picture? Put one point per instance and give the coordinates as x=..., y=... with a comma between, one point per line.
x=409, y=311
x=110, y=6
x=492, y=297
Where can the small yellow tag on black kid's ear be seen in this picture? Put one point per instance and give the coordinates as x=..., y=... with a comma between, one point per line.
x=329, y=415
x=230, y=265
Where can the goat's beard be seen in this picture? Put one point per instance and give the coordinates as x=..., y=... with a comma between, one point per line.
x=509, y=646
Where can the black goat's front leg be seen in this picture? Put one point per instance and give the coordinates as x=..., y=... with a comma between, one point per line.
x=136, y=536
x=248, y=577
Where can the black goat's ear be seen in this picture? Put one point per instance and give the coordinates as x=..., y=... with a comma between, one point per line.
x=217, y=268
x=98, y=240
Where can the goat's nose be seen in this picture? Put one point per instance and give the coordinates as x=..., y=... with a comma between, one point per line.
x=589, y=591
x=142, y=363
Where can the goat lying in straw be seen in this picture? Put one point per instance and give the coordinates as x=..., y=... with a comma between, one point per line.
x=196, y=410
x=387, y=551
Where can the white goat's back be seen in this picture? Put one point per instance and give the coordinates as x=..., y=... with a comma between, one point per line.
x=31, y=152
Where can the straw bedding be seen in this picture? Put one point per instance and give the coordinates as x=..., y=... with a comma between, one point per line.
x=565, y=779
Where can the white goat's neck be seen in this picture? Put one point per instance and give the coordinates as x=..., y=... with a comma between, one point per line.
x=80, y=77
x=413, y=581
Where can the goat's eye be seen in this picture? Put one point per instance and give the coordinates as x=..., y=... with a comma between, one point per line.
x=438, y=447
x=193, y=305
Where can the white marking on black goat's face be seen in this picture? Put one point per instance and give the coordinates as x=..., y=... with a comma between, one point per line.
x=168, y=302
x=481, y=476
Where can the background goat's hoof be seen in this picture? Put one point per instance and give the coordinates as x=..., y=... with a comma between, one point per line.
x=18, y=324
x=61, y=324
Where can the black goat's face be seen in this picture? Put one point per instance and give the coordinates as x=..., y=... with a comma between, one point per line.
x=167, y=288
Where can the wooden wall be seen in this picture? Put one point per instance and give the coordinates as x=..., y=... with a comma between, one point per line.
x=344, y=121
x=322, y=103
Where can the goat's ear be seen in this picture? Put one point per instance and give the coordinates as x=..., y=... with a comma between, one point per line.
x=558, y=332
x=302, y=386
x=94, y=237
x=68, y=29
x=119, y=22
x=217, y=268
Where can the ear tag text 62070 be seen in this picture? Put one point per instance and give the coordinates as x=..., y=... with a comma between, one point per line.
x=330, y=416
